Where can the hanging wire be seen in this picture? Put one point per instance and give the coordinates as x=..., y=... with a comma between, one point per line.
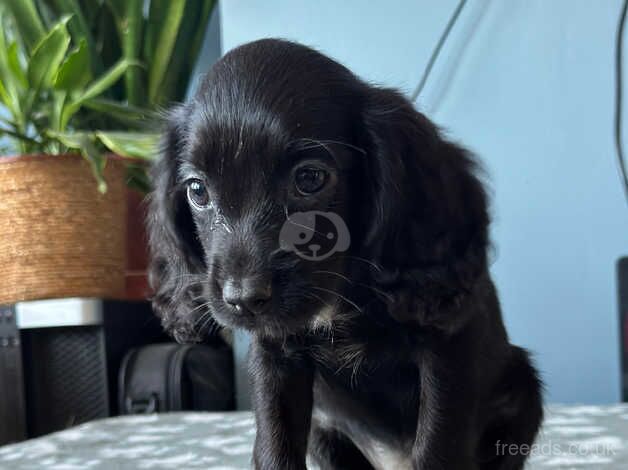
x=436, y=50
x=621, y=160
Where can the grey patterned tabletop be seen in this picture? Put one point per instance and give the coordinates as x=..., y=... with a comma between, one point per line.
x=573, y=437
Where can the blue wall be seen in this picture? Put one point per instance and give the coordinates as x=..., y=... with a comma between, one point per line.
x=528, y=86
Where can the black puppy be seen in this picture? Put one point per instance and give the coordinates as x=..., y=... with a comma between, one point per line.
x=384, y=350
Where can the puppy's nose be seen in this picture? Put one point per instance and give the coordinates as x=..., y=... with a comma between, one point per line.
x=251, y=294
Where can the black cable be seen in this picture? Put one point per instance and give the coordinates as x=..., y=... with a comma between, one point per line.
x=618, y=96
x=436, y=51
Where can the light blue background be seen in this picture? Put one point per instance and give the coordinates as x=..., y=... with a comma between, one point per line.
x=528, y=86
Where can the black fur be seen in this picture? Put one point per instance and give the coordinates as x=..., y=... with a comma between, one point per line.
x=411, y=355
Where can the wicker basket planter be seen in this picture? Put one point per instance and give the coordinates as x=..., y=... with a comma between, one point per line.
x=59, y=237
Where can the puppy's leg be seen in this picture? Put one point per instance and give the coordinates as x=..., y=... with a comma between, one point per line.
x=446, y=429
x=282, y=399
x=332, y=450
x=517, y=414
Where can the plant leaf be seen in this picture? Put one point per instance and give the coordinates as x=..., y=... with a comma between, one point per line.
x=79, y=28
x=97, y=161
x=131, y=116
x=130, y=24
x=162, y=54
x=157, y=16
x=85, y=143
x=194, y=25
x=74, y=73
x=58, y=102
x=130, y=144
x=108, y=79
x=4, y=96
x=15, y=66
x=18, y=136
x=29, y=24
x=48, y=55
x=72, y=140
x=137, y=178
x=10, y=94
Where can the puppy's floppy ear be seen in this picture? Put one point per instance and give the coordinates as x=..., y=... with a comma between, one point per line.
x=427, y=211
x=176, y=255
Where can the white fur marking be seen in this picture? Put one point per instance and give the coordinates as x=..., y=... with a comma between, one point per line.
x=324, y=319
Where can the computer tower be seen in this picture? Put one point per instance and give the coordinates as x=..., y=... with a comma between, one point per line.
x=64, y=370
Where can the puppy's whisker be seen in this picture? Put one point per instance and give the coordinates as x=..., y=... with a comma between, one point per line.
x=208, y=321
x=200, y=319
x=177, y=299
x=300, y=225
x=345, y=144
x=377, y=291
x=318, y=143
x=361, y=284
x=315, y=143
x=335, y=274
x=340, y=296
x=313, y=295
x=364, y=260
x=203, y=305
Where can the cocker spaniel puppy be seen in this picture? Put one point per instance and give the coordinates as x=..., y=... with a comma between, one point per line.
x=335, y=223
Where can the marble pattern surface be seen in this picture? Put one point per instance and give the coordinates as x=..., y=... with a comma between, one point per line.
x=573, y=437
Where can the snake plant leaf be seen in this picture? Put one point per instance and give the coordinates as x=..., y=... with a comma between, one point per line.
x=130, y=144
x=185, y=53
x=129, y=18
x=48, y=55
x=28, y=21
x=75, y=72
x=156, y=18
x=200, y=32
x=166, y=39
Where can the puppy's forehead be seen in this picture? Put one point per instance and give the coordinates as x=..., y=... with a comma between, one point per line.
x=261, y=97
x=224, y=143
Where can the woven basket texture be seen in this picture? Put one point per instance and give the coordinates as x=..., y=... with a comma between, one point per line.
x=60, y=237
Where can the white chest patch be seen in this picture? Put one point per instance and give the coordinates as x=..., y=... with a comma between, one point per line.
x=324, y=319
x=384, y=457
x=381, y=455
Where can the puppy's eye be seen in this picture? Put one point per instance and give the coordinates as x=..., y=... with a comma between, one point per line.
x=309, y=180
x=197, y=193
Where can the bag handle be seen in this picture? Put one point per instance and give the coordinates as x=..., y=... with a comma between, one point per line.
x=141, y=405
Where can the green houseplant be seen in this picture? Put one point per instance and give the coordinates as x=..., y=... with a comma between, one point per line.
x=91, y=67
x=83, y=78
